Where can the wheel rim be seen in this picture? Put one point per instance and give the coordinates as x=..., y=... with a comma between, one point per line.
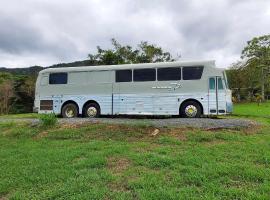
x=92, y=112
x=191, y=111
x=70, y=112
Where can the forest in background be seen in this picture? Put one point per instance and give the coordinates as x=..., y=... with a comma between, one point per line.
x=248, y=78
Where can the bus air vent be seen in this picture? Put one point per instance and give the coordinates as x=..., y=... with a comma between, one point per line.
x=213, y=111
x=46, y=105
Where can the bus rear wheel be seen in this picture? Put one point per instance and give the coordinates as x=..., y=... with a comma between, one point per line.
x=91, y=110
x=190, y=109
x=69, y=110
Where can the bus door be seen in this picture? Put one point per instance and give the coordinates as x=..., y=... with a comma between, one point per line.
x=216, y=96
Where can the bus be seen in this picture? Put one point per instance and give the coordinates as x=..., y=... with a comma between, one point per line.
x=185, y=88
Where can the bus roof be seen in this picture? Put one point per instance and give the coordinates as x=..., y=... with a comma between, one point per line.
x=206, y=63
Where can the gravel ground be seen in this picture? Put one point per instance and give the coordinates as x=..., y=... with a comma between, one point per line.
x=204, y=123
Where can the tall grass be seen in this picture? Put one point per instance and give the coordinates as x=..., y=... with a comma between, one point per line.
x=48, y=120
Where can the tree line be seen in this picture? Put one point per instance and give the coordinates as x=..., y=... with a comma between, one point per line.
x=248, y=78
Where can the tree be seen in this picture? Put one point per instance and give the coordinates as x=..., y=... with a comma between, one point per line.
x=6, y=92
x=24, y=88
x=257, y=54
x=144, y=53
x=258, y=47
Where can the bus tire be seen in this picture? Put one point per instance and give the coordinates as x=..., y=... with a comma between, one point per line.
x=91, y=110
x=69, y=110
x=190, y=109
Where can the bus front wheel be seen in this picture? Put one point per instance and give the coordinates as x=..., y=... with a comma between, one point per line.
x=91, y=110
x=190, y=109
x=69, y=110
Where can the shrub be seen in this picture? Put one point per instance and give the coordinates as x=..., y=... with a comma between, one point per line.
x=48, y=120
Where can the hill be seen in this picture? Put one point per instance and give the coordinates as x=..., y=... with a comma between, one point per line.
x=33, y=70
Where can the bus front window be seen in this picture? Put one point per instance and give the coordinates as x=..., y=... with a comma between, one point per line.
x=225, y=80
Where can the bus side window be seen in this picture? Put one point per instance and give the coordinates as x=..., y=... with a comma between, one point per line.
x=169, y=74
x=44, y=80
x=123, y=75
x=144, y=75
x=220, y=84
x=192, y=73
x=58, y=78
x=212, y=83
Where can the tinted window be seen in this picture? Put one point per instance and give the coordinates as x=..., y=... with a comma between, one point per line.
x=212, y=83
x=144, y=75
x=220, y=85
x=192, y=73
x=123, y=76
x=58, y=78
x=167, y=74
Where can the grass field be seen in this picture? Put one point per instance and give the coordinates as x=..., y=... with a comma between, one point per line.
x=253, y=109
x=100, y=161
x=260, y=112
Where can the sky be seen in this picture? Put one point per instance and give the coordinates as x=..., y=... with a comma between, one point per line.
x=46, y=32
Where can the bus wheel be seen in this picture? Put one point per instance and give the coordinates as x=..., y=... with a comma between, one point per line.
x=190, y=109
x=91, y=110
x=69, y=111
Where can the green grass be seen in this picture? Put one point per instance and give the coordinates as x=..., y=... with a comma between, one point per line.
x=98, y=161
x=254, y=111
x=20, y=116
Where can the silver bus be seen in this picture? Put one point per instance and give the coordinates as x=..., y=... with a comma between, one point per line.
x=186, y=88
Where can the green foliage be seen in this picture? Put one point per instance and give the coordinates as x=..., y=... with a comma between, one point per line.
x=19, y=92
x=144, y=53
x=246, y=76
x=5, y=76
x=48, y=120
x=258, y=47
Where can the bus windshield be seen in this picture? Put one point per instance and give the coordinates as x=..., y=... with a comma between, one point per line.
x=225, y=79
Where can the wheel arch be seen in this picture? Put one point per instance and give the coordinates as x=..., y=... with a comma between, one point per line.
x=88, y=102
x=70, y=101
x=195, y=100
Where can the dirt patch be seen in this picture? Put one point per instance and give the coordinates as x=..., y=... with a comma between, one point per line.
x=178, y=133
x=41, y=135
x=118, y=165
x=5, y=133
x=252, y=130
x=119, y=186
x=5, y=197
x=76, y=125
x=146, y=148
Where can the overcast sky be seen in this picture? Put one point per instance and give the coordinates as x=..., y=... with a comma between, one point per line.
x=45, y=32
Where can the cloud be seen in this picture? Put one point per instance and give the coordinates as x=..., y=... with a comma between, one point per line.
x=40, y=32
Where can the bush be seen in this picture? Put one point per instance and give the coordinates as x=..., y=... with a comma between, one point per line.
x=48, y=120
